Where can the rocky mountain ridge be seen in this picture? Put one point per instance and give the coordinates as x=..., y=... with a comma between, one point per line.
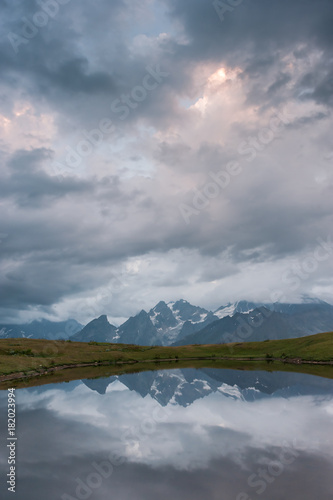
x=181, y=323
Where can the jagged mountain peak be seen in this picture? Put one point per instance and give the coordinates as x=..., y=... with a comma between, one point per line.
x=178, y=304
x=99, y=330
x=160, y=308
x=182, y=301
x=138, y=329
x=186, y=311
x=102, y=319
x=162, y=317
x=160, y=305
x=240, y=306
x=142, y=314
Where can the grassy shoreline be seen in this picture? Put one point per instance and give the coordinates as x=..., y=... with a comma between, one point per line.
x=103, y=371
x=28, y=358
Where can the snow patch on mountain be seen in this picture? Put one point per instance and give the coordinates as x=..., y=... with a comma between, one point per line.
x=231, y=309
x=224, y=311
x=154, y=317
x=205, y=385
x=116, y=336
x=231, y=391
x=203, y=316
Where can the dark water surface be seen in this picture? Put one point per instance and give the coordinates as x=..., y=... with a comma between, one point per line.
x=175, y=434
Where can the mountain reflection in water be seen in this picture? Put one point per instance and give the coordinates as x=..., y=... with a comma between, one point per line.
x=180, y=434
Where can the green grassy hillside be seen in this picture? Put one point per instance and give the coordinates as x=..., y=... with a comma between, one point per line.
x=32, y=357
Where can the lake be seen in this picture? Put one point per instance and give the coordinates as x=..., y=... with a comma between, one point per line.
x=174, y=434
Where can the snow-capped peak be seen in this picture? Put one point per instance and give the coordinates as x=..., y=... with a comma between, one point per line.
x=241, y=306
x=228, y=310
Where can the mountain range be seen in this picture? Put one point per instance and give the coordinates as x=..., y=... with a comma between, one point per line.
x=164, y=324
x=181, y=323
x=41, y=329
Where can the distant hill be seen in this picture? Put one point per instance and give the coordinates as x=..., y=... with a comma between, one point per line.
x=98, y=330
x=42, y=329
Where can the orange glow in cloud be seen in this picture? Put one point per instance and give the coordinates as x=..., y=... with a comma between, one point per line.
x=219, y=76
x=4, y=122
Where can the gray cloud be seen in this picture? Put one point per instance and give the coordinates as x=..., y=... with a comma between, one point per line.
x=117, y=212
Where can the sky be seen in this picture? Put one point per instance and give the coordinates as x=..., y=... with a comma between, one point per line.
x=163, y=149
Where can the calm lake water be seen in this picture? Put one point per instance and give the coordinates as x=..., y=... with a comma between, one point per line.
x=175, y=434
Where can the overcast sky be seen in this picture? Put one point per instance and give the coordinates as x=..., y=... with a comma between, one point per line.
x=163, y=149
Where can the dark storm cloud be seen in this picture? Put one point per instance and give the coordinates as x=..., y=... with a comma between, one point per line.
x=281, y=80
x=69, y=252
x=256, y=34
x=265, y=25
x=67, y=230
x=323, y=92
x=80, y=62
x=32, y=187
x=58, y=65
x=308, y=120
